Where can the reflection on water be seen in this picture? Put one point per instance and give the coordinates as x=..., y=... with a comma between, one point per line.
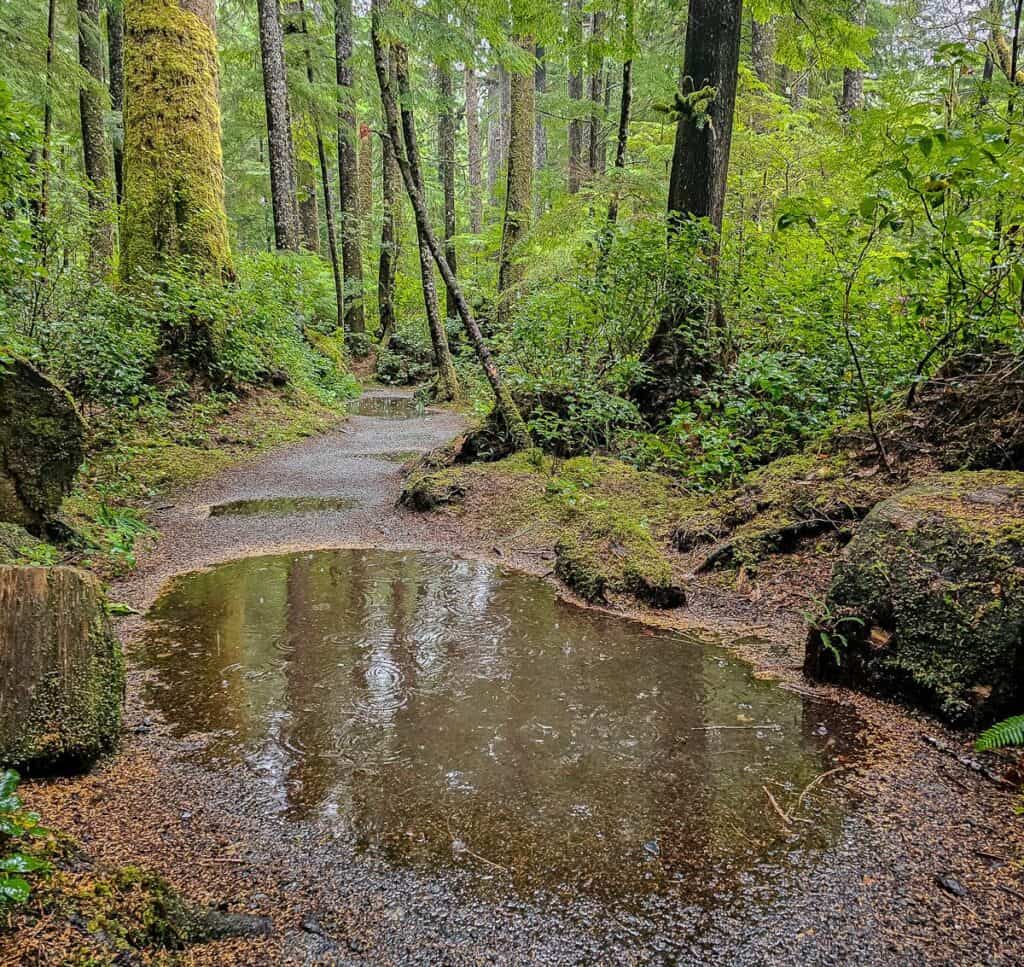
x=445, y=711
x=389, y=407
x=280, y=505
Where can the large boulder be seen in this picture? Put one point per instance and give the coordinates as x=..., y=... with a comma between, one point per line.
x=61, y=669
x=41, y=444
x=927, y=602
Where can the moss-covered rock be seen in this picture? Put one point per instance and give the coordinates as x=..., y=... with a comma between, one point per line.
x=928, y=600
x=41, y=444
x=428, y=489
x=61, y=669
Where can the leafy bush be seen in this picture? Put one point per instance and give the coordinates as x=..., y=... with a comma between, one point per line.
x=1009, y=732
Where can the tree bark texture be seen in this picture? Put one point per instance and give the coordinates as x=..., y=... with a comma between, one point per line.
x=575, y=91
x=309, y=210
x=762, y=51
x=280, y=150
x=472, y=91
x=853, y=77
x=519, y=185
x=100, y=186
x=115, y=56
x=174, y=170
x=348, y=170
x=446, y=172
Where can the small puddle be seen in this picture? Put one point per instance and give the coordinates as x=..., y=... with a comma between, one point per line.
x=444, y=712
x=280, y=506
x=388, y=407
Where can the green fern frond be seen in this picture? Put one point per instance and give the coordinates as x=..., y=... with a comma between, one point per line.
x=1008, y=732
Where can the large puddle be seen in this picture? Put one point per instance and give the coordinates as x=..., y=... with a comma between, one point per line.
x=439, y=711
x=388, y=407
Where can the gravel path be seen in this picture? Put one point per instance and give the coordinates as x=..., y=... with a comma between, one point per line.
x=921, y=871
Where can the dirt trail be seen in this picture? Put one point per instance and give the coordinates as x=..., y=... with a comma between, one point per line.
x=919, y=814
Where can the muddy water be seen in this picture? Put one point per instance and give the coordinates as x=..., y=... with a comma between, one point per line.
x=436, y=711
x=280, y=505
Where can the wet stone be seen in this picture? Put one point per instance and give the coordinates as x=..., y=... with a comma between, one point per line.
x=280, y=506
x=442, y=714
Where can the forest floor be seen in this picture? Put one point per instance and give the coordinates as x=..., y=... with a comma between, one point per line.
x=927, y=867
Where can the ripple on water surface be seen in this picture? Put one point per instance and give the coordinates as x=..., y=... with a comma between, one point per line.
x=446, y=711
x=389, y=407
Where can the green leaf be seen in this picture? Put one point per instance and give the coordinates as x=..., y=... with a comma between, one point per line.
x=20, y=863
x=1006, y=733
x=13, y=889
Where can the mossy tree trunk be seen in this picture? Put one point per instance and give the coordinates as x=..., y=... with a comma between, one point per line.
x=595, y=94
x=504, y=404
x=390, y=233
x=365, y=178
x=519, y=191
x=472, y=90
x=174, y=169
x=446, y=171
x=348, y=170
x=540, y=132
x=94, y=138
x=447, y=381
x=309, y=210
x=280, y=150
x=853, y=77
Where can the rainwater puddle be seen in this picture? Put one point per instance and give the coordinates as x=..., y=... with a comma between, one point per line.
x=280, y=505
x=388, y=407
x=442, y=712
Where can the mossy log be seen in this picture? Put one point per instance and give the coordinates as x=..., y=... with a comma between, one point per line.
x=61, y=669
x=41, y=445
x=927, y=602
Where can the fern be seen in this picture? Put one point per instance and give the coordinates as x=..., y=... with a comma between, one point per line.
x=1008, y=732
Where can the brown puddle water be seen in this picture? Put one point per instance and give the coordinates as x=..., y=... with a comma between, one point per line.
x=442, y=711
x=281, y=505
x=388, y=407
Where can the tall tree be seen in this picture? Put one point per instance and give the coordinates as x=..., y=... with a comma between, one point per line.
x=115, y=56
x=280, y=149
x=494, y=148
x=94, y=137
x=472, y=94
x=519, y=183
x=504, y=405
x=390, y=230
x=700, y=165
x=762, y=50
x=308, y=209
x=174, y=170
x=595, y=93
x=540, y=86
x=446, y=171
x=447, y=381
x=365, y=176
x=348, y=169
x=575, y=91
x=853, y=77
x=325, y=180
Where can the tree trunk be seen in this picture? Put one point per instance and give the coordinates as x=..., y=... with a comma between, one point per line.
x=446, y=173
x=309, y=211
x=390, y=230
x=700, y=167
x=280, y=150
x=115, y=56
x=575, y=90
x=519, y=190
x=853, y=78
x=447, y=381
x=94, y=138
x=762, y=51
x=174, y=171
x=595, y=94
x=473, y=139
x=504, y=404
x=493, y=138
x=622, y=140
x=325, y=181
x=540, y=135
x=348, y=170
x=365, y=177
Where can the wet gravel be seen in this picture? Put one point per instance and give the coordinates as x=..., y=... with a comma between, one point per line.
x=920, y=819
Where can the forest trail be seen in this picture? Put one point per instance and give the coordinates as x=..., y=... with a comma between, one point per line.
x=896, y=879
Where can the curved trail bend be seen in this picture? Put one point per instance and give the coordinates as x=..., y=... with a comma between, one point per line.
x=869, y=897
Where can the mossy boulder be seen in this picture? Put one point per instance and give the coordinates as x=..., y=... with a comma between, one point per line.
x=619, y=557
x=61, y=669
x=927, y=602
x=41, y=444
x=429, y=489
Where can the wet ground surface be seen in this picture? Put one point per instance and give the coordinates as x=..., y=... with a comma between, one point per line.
x=381, y=796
